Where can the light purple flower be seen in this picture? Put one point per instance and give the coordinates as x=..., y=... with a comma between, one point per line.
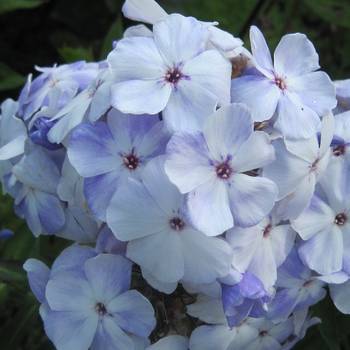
x=169, y=73
x=325, y=228
x=211, y=167
x=150, y=215
x=171, y=342
x=290, y=87
x=106, y=154
x=343, y=96
x=297, y=289
x=261, y=249
x=298, y=167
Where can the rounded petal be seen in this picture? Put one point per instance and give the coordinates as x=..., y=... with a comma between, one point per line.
x=209, y=208
x=179, y=38
x=140, y=96
x=227, y=130
x=133, y=313
x=295, y=120
x=340, y=296
x=312, y=252
x=172, y=342
x=137, y=215
x=71, y=330
x=168, y=264
x=92, y=150
x=206, y=258
x=295, y=55
x=260, y=150
x=187, y=164
x=251, y=198
x=259, y=93
x=108, y=275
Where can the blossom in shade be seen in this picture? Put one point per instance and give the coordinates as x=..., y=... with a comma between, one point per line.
x=211, y=166
x=107, y=153
x=291, y=87
x=86, y=301
x=172, y=74
x=297, y=289
x=324, y=227
x=262, y=248
x=343, y=96
x=299, y=165
x=151, y=217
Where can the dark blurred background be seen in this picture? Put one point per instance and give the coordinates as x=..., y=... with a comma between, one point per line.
x=44, y=32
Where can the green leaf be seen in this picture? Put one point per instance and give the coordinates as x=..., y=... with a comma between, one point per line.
x=115, y=32
x=12, y=272
x=12, y=5
x=336, y=12
x=72, y=54
x=9, y=79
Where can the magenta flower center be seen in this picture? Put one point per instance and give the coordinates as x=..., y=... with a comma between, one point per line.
x=340, y=219
x=267, y=231
x=131, y=161
x=173, y=76
x=339, y=150
x=177, y=224
x=223, y=171
x=280, y=83
x=101, y=309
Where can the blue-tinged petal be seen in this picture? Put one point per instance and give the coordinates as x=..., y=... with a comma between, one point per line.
x=147, y=11
x=295, y=120
x=340, y=296
x=315, y=90
x=108, y=275
x=312, y=252
x=133, y=313
x=168, y=264
x=109, y=336
x=209, y=208
x=99, y=190
x=137, y=215
x=92, y=150
x=140, y=96
x=258, y=93
x=227, y=129
x=171, y=342
x=179, y=38
x=71, y=330
x=72, y=258
x=38, y=276
x=295, y=55
x=70, y=292
x=251, y=198
x=205, y=258
x=261, y=52
x=188, y=164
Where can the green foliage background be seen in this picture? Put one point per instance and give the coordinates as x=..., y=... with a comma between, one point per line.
x=43, y=32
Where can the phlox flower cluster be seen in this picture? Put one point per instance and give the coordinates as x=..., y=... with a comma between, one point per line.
x=206, y=208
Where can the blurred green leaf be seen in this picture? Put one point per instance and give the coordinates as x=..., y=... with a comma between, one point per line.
x=115, y=32
x=12, y=5
x=71, y=54
x=12, y=272
x=336, y=12
x=9, y=79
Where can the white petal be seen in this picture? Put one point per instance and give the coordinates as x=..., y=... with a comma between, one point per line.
x=147, y=11
x=209, y=208
x=340, y=296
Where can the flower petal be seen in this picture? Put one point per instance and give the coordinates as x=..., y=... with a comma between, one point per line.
x=295, y=55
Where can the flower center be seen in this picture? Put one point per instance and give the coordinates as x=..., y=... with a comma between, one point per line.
x=101, y=309
x=314, y=165
x=267, y=231
x=223, y=171
x=177, y=223
x=280, y=83
x=340, y=219
x=263, y=333
x=339, y=150
x=173, y=76
x=131, y=161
